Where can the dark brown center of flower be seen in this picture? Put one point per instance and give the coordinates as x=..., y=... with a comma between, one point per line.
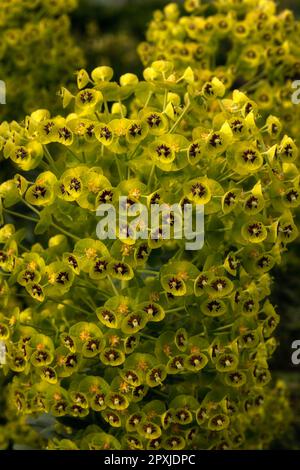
x=64, y=133
x=39, y=191
x=135, y=129
x=62, y=278
x=163, y=151
x=198, y=190
x=154, y=120
x=86, y=96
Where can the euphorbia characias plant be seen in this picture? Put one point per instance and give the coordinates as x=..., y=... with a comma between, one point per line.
x=144, y=344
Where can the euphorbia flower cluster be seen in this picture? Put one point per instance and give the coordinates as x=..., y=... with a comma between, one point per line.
x=244, y=43
x=149, y=345
x=37, y=53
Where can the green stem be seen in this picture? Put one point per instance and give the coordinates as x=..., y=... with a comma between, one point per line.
x=65, y=232
x=17, y=214
x=50, y=160
x=113, y=286
x=179, y=118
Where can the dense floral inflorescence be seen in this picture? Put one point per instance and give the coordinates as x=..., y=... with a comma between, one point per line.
x=244, y=43
x=37, y=53
x=150, y=346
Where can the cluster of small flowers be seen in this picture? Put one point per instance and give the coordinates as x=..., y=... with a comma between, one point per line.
x=244, y=43
x=156, y=346
x=36, y=52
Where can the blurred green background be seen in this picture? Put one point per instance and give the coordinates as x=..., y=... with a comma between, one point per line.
x=119, y=26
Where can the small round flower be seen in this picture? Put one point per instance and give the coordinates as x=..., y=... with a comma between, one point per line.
x=176, y=364
x=157, y=122
x=113, y=418
x=174, y=285
x=49, y=375
x=198, y=191
x=4, y=332
x=182, y=416
x=246, y=158
x=112, y=357
x=88, y=99
x=107, y=317
x=120, y=270
x=227, y=362
x=291, y=198
x=195, y=362
x=254, y=231
x=213, y=307
x=288, y=151
x=134, y=322
x=133, y=421
x=156, y=376
x=219, y=286
x=104, y=133
x=136, y=132
x=154, y=311
x=287, y=230
x=201, y=415
x=149, y=430
x=116, y=401
x=219, y=422
x=174, y=443
x=235, y=379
